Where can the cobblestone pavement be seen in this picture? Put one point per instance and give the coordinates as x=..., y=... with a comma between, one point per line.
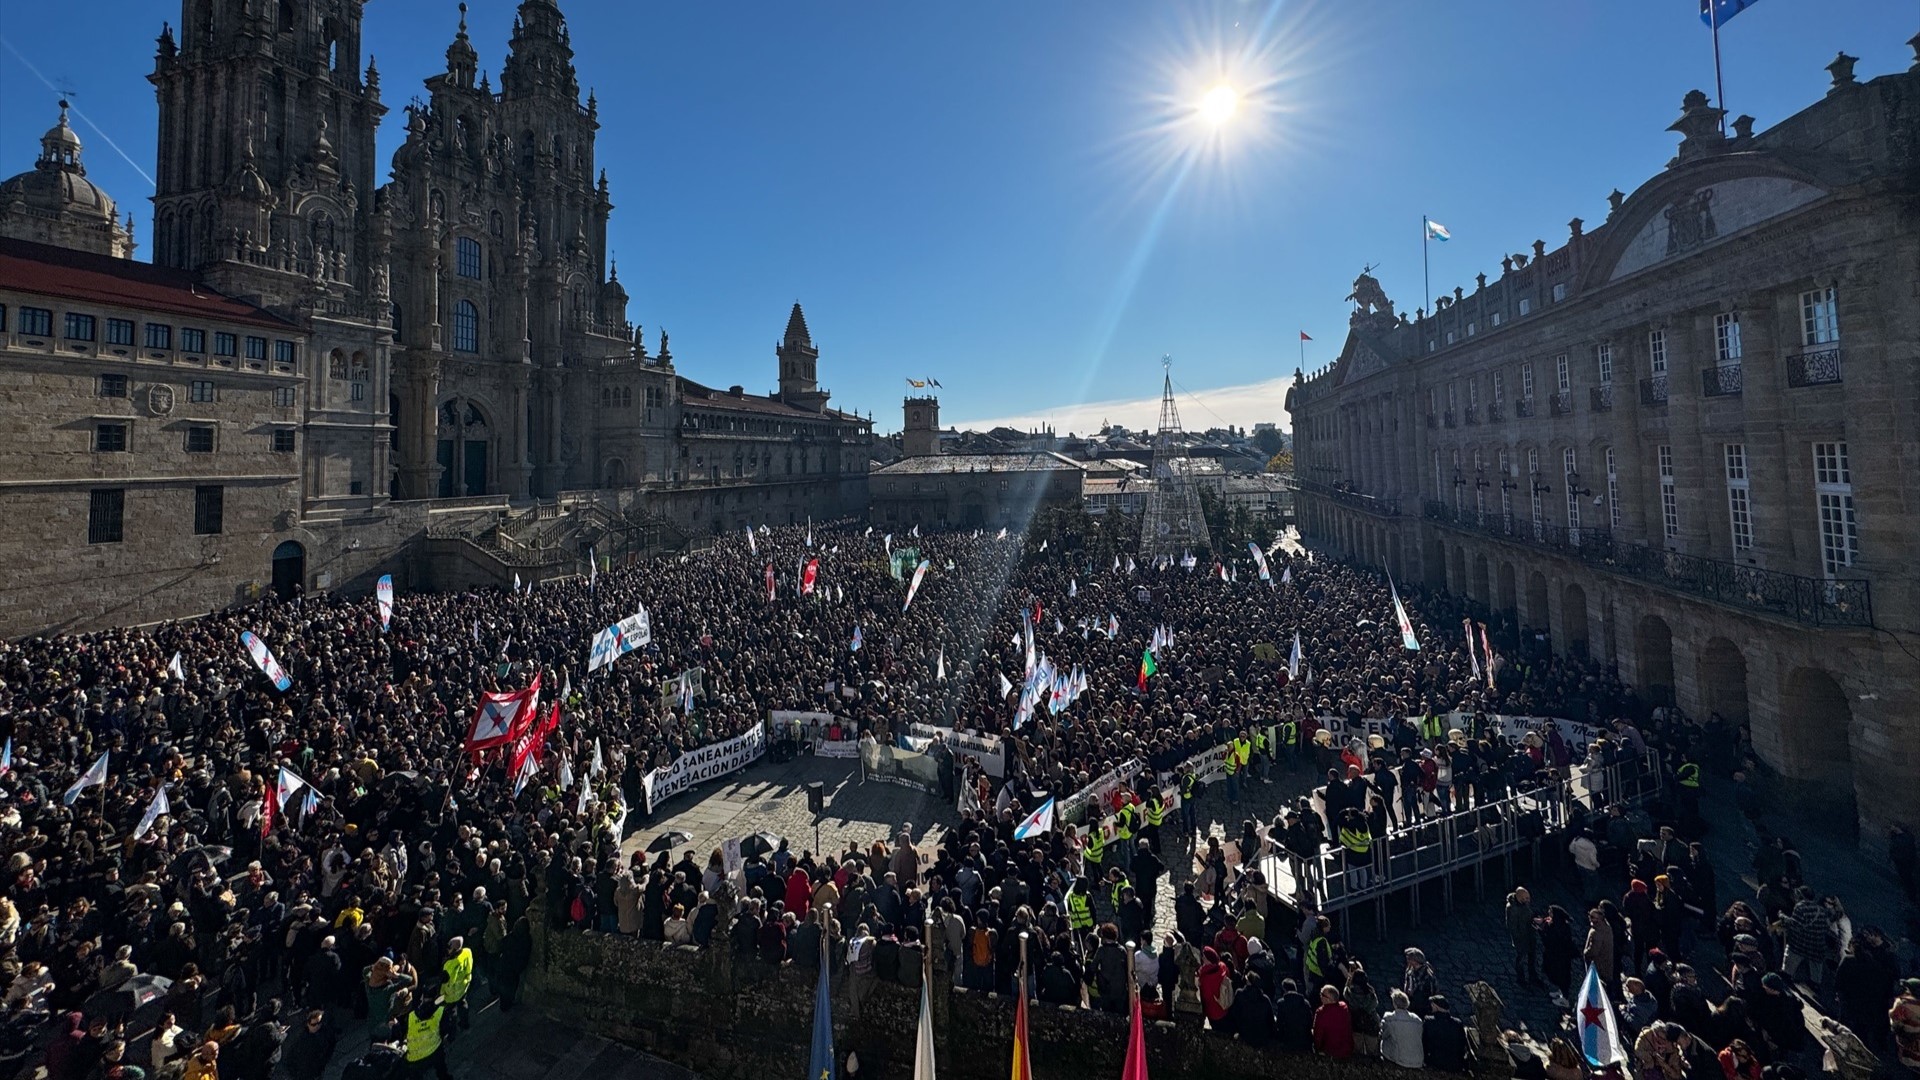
x=1466, y=944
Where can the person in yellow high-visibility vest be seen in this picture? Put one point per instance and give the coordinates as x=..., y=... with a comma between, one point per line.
x=425, y=1047
x=1154, y=811
x=458, y=975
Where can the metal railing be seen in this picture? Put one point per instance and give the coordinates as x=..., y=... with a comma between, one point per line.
x=1722, y=380
x=1473, y=414
x=1817, y=366
x=1448, y=417
x=1561, y=403
x=1601, y=397
x=1653, y=389
x=1496, y=412
x=1835, y=602
x=1342, y=494
x=1523, y=408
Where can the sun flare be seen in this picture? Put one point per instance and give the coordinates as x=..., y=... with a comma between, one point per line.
x=1219, y=104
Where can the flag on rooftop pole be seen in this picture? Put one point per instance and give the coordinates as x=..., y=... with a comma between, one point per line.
x=95, y=776
x=1437, y=231
x=1304, y=336
x=1716, y=12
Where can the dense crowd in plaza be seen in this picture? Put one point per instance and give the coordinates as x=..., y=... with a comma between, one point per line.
x=394, y=885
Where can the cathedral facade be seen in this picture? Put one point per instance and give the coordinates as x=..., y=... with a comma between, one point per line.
x=454, y=336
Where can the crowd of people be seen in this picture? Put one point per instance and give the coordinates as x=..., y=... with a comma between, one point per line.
x=402, y=872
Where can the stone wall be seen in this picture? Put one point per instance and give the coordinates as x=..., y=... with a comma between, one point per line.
x=746, y=1021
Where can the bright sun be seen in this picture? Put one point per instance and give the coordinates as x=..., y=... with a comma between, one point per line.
x=1219, y=104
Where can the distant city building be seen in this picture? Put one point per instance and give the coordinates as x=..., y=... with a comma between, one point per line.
x=973, y=491
x=1680, y=442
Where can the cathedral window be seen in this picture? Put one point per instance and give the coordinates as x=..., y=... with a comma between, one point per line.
x=467, y=257
x=466, y=327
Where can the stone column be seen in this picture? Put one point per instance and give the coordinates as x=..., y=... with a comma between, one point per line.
x=419, y=392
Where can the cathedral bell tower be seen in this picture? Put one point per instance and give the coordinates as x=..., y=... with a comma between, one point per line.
x=799, y=365
x=920, y=437
x=266, y=146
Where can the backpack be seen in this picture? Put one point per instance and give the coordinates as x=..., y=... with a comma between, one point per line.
x=578, y=910
x=1224, y=996
x=981, y=952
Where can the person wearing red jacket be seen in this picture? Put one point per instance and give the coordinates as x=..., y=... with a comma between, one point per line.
x=1212, y=973
x=1333, y=1026
x=799, y=898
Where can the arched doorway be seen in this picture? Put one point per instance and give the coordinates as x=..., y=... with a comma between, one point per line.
x=614, y=473
x=1573, y=620
x=1653, y=660
x=289, y=569
x=1505, y=595
x=1536, y=615
x=464, y=448
x=1723, y=681
x=1816, y=742
x=1482, y=586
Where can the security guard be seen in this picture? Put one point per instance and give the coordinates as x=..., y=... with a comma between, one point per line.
x=1290, y=741
x=1154, y=810
x=458, y=973
x=1432, y=728
x=1095, y=851
x=1080, y=907
x=1123, y=819
x=1686, y=780
x=1319, y=958
x=1263, y=752
x=1232, y=765
x=1189, y=803
x=1357, y=841
x=425, y=1050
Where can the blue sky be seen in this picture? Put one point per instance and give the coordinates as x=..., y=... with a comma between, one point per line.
x=1017, y=198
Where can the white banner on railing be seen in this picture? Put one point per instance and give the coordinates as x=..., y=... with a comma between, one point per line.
x=985, y=749
x=704, y=764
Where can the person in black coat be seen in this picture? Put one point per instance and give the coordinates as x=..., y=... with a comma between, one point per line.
x=309, y=1050
x=1293, y=1019
x=1252, y=1016
x=1443, y=1038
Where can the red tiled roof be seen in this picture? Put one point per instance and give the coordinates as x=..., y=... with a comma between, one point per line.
x=81, y=275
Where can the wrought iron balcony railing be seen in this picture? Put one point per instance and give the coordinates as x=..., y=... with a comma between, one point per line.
x=1561, y=403
x=1496, y=412
x=1653, y=390
x=1473, y=414
x=1836, y=602
x=1819, y=365
x=1343, y=493
x=1601, y=397
x=1523, y=408
x=1722, y=380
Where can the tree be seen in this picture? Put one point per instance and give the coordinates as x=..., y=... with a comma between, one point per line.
x=1281, y=462
x=1269, y=440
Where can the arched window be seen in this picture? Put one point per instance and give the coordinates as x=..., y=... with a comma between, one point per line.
x=466, y=327
x=467, y=257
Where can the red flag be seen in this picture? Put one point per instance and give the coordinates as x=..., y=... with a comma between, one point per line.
x=1136, y=1047
x=1037, y=611
x=533, y=742
x=769, y=583
x=266, y=810
x=502, y=718
x=1022, y=1059
x=806, y=578
x=1304, y=337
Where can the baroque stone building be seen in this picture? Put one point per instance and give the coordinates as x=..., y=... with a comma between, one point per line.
x=449, y=352
x=1680, y=441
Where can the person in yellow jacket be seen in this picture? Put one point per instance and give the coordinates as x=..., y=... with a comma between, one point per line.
x=457, y=974
x=426, y=1049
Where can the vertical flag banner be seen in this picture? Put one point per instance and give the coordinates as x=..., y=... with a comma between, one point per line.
x=821, y=1066
x=753, y=546
x=940, y=665
x=1487, y=647
x=1260, y=560
x=1593, y=1019
x=269, y=811
x=919, y=574
x=1471, y=654
x=1022, y=1058
x=923, y=1040
x=263, y=659
x=857, y=639
x=177, y=668
x=1136, y=1067
x=808, y=576
x=770, y=587
x=1293, y=660
x=383, y=592
x=1400, y=617
x=809, y=532
x=593, y=568
x=95, y=776
x=1147, y=667
x=6, y=757
x=516, y=581
x=502, y=718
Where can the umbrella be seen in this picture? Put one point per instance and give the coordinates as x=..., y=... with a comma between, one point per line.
x=667, y=841
x=209, y=855
x=127, y=999
x=760, y=843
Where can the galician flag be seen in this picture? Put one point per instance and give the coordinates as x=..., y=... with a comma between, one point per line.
x=1593, y=1020
x=1293, y=661
x=1038, y=822
x=858, y=639
x=158, y=806
x=95, y=776
x=1400, y=616
x=1437, y=231
x=1471, y=654
x=288, y=783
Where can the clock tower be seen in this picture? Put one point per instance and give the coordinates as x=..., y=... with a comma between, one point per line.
x=921, y=435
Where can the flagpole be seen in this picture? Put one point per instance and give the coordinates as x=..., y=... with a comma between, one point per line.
x=1426, y=274
x=1719, y=89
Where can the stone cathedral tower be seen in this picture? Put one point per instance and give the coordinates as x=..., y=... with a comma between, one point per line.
x=265, y=185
